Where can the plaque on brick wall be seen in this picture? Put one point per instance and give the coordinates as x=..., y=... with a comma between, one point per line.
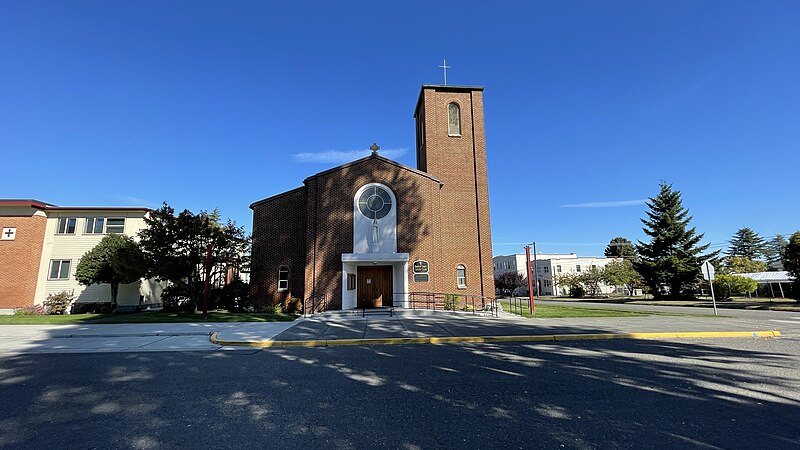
x=9, y=234
x=421, y=269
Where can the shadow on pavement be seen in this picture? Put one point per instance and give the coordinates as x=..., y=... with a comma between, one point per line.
x=592, y=394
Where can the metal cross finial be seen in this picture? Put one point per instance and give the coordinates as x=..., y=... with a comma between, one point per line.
x=374, y=147
x=444, y=67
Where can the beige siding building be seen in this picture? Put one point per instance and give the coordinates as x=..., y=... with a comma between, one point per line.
x=66, y=235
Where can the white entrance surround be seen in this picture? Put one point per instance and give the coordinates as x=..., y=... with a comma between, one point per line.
x=375, y=243
x=399, y=263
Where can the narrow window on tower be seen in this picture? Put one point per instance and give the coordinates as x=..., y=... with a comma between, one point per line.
x=453, y=120
x=283, y=279
x=461, y=276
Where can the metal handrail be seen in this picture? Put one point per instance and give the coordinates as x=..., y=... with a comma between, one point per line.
x=452, y=302
x=319, y=303
x=436, y=301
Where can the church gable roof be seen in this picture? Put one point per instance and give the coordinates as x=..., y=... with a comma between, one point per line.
x=277, y=196
x=375, y=157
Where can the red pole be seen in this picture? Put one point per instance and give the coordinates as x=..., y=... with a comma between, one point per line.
x=530, y=275
x=207, y=282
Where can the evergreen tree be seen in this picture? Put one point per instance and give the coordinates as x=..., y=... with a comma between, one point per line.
x=791, y=261
x=175, y=246
x=619, y=247
x=774, y=252
x=746, y=243
x=671, y=261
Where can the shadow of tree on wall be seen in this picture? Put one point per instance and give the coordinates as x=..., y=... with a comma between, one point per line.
x=591, y=394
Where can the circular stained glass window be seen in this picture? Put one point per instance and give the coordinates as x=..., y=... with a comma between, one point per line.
x=375, y=202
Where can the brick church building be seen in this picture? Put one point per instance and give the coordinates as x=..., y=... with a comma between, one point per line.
x=369, y=232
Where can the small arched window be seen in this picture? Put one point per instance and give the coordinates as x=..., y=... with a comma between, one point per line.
x=283, y=278
x=453, y=120
x=461, y=276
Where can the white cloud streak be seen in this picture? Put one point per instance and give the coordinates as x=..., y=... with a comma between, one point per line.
x=343, y=156
x=136, y=201
x=611, y=204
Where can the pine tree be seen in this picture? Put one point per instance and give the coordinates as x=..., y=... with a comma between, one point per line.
x=774, y=252
x=619, y=247
x=671, y=261
x=746, y=243
x=791, y=262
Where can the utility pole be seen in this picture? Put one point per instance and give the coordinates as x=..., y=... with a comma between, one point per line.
x=530, y=274
x=536, y=269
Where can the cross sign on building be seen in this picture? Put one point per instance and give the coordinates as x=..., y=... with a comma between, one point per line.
x=374, y=147
x=444, y=67
x=9, y=234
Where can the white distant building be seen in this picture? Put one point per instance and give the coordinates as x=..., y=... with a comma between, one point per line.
x=508, y=263
x=557, y=266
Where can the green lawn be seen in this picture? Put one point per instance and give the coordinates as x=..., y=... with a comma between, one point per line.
x=555, y=311
x=145, y=317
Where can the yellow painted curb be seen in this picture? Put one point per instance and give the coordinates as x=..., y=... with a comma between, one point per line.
x=495, y=339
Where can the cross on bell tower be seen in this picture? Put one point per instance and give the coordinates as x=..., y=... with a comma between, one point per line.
x=374, y=147
x=444, y=67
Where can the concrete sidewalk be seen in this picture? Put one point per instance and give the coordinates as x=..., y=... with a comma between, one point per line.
x=341, y=326
x=332, y=327
x=83, y=338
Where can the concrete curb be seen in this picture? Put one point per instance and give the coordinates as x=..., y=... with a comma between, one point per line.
x=493, y=339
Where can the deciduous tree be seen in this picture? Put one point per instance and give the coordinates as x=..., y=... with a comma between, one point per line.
x=508, y=282
x=740, y=264
x=672, y=257
x=622, y=273
x=116, y=260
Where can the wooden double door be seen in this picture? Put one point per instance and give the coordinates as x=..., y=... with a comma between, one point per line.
x=374, y=286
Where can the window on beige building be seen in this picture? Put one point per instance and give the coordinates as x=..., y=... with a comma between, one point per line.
x=66, y=225
x=59, y=269
x=95, y=225
x=115, y=225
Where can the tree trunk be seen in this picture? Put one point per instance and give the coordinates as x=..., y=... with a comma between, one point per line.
x=193, y=293
x=114, y=291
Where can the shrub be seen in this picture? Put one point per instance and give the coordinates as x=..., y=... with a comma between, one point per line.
x=91, y=308
x=451, y=302
x=271, y=309
x=294, y=305
x=234, y=296
x=726, y=285
x=57, y=304
x=35, y=310
x=577, y=291
x=176, y=297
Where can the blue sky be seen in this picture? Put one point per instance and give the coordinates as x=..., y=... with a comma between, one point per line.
x=588, y=104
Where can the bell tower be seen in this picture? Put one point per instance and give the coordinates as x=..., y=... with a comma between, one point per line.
x=451, y=145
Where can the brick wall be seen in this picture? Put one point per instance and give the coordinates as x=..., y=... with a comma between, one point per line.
x=460, y=162
x=330, y=230
x=19, y=260
x=279, y=239
x=309, y=228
